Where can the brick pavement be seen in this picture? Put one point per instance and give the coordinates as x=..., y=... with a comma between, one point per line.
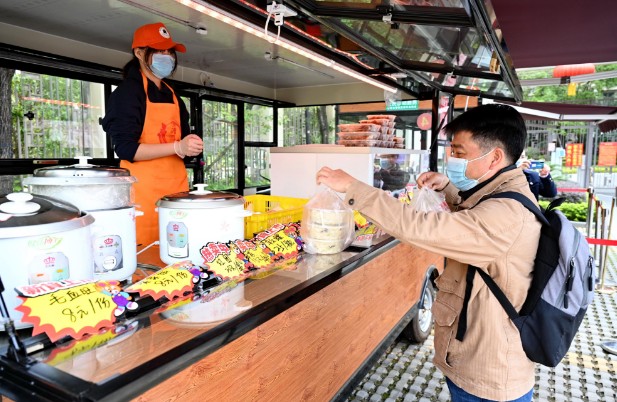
x=405, y=372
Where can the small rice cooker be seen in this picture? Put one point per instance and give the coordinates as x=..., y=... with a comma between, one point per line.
x=189, y=220
x=106, y=192
x=41, y=239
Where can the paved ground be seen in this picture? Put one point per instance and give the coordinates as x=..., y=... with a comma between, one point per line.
x=406, y=373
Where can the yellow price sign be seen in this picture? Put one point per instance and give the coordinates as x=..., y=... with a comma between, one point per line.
x=70, y=310
x=173, y=280
x=279, y=245
x=252, y=256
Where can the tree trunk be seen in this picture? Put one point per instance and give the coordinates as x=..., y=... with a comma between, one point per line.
x=6, y=126
x=323, y=124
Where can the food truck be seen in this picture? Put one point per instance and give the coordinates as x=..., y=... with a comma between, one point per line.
x=264, y=82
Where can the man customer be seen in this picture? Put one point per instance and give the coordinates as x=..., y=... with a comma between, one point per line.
x=499, y=236
x=540, y=183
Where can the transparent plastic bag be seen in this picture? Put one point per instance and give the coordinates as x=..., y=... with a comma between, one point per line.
x=428, y=200
x=327, y=224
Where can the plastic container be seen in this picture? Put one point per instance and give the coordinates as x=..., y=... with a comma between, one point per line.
x=390, y=117
x=362, y=135
x=358, y=127
x=381, y=122
x=358, y=143
x=269, y=210
x=326, y=232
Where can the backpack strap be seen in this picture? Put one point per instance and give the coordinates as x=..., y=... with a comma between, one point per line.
x=495, y=289
x=527, y=203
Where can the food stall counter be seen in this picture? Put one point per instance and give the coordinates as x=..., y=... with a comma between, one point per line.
x=303, y=329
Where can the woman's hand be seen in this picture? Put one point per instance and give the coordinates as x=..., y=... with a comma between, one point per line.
x=191, y=145
x=338, y=180
x=433, y=180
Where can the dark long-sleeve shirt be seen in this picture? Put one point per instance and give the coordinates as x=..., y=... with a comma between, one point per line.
x=126, y=112
x=544, y=186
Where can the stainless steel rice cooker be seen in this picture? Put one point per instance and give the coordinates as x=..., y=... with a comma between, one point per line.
x=88, y=187
x=41, y=239
x=189, y=220
x=107, y=193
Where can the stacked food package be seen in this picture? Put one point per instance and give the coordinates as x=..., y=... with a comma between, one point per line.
x=376, y=131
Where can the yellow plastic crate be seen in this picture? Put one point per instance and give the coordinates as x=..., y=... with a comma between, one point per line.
x=270, y=209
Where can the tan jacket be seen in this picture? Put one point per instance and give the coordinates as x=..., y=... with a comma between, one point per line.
x=499, y=236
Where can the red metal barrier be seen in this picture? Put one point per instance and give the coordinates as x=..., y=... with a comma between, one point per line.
x=571, y=190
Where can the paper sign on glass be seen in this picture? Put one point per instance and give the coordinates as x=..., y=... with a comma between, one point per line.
x=66, y=308
x=173, y=280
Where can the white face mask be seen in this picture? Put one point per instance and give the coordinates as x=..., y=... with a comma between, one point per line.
x=162, y=65
x=456, y=171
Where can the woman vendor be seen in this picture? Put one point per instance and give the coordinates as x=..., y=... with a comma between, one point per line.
x=149, y=125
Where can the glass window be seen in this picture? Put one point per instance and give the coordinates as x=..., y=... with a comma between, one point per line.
x=55, y=117
x=306, y=125
x=258, y=123
x=220, y=135
x=257, y=162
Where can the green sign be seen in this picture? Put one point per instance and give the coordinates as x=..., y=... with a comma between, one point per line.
x=402, y=105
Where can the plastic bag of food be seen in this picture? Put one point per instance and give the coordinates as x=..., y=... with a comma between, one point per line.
x=327, y=223
x=429, y=200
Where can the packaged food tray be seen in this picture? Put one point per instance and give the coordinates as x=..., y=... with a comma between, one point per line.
x=269, y=210
x=359, y=143
x=390, y=117
x=355, y=127
x=360, y=135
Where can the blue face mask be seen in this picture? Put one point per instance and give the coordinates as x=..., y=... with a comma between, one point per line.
x=162, y=65
x=456, y=168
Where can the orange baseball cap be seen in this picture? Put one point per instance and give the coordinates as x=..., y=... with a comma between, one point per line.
x=157, y=37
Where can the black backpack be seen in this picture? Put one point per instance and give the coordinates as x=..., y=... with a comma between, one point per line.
x=561, y=287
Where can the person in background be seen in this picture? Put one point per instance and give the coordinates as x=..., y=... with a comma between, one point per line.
x=540, y=183
x=498, y=236
x=391, y=174
x=149, y=125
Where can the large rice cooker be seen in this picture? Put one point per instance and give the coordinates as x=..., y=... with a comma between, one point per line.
x=189, y=220
x=106, y=192
x=41, y=239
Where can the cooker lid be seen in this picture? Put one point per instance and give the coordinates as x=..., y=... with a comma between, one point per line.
x=82, y=172
x=25, y=214
x=200, y=198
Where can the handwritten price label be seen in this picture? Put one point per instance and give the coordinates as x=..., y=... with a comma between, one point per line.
x=173, y=280
x=280, y=245
x=74, y=311
x=227, y=266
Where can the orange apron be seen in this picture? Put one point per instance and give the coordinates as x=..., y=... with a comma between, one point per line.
x=157, y=177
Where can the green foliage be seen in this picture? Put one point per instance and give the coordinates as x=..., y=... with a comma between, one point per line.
x=576, y=212
x=586, y=93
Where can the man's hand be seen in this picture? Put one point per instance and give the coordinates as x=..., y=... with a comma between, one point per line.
x=432, y=180
x=525, y=163
x=546, y=170
x=338, y=180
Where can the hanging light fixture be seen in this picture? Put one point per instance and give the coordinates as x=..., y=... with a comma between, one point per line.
x=245, y=26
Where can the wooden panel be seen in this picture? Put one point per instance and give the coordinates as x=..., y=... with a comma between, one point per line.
x=310, y=350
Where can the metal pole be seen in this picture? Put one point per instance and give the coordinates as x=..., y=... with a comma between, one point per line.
x=596, y=228
x=590, y=152
x=602, y=247
x=608, y=235
x=589, y=209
